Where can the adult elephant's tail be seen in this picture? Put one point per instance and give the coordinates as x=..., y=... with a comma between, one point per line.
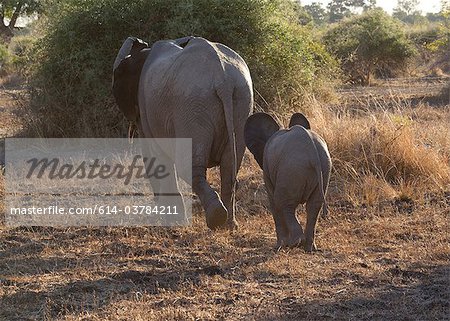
x=225, y=94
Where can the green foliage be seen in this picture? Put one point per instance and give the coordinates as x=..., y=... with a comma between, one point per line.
x=27, y=7
x=20, y=49
x=74, y=59
x=317, y=13
x=372, y=42
x=442, y=41
x=340, y=9
x=424, y=35
x=304, y=18
x=407, y=11
x=12, y=9
x=431, y=37
x=5, y=58
x=435, y=17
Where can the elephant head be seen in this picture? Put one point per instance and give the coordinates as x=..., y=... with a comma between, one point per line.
x=126, y=74
x=261, y=126
x=258, y=129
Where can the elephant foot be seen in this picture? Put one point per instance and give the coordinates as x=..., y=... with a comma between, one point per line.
x=310, y=247
x=232, y=225
x=296, y=241
x=278, y=246
x=281, y=243
x=296, y=238
x=216, y=215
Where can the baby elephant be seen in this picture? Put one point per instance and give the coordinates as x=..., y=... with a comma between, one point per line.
x=296, y=165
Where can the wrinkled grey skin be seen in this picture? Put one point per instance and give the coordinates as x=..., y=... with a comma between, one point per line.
x=190, y=88
x=296, y=165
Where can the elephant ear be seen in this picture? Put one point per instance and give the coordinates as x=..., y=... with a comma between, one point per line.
x=126, y=74
x=182, y=42
x=299, y=119
x=130, y=46
x=257, y=131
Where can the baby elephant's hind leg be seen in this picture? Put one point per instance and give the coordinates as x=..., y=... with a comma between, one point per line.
x=313, y=206
x=281, y=230
x=286, y=210
x=296, y=236
x=280, y=226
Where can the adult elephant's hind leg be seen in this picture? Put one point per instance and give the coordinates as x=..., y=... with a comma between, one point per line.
x=149, y=151
x=227, y=190
x=216, y=213
x=165, y=189
x=228, y=187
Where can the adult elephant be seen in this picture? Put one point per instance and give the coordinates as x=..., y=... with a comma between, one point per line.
x=190, y=88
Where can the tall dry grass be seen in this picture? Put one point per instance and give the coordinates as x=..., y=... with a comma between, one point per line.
x=382, y=149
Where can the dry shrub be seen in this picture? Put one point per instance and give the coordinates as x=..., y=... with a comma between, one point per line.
x=369, y=190
x=386, y=150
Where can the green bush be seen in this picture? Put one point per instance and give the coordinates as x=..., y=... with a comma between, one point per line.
x=423, y=35
x=368, y=44
x=14, y=57
x=20, y=48
x=72, y=80
x=5, y=60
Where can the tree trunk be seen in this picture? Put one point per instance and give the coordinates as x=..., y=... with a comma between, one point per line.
x=15, y=15
x=6, y=32
x=2, y=17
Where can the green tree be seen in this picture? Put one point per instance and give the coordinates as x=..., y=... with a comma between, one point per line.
x=363, y=4
x=11, y=10
x=435, y=17
x=445, y=6
x=441, y=40
x=407, y=11
x=408, y=7
x=339, y=9
x=317, y=12
x=369, y=43
x=304, y=18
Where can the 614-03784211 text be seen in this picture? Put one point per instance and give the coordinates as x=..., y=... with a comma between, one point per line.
x=96, y=210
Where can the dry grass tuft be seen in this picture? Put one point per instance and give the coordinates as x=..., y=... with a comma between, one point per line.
x=386, y=147
x=379, y=153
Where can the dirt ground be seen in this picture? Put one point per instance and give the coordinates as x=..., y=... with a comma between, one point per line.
x=384, y=262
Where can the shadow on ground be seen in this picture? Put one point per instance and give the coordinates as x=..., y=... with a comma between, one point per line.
x=25, y=264
x=398, y=294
